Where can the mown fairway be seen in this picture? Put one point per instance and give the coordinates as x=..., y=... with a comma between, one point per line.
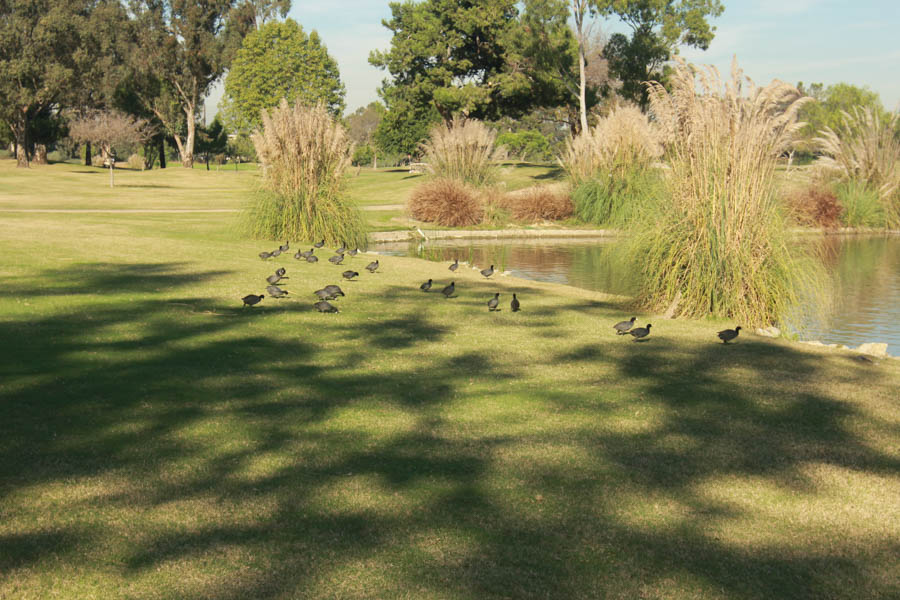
x=159, y=441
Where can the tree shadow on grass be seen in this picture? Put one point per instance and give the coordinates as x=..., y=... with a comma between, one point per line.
x=306, y=455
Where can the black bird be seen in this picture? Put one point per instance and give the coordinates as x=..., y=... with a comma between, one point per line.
x=350, y=274
x=425, y=286
x=640, y=332
x=494, y=302
x=319, y=244
x=286, y=247
x=726, y=335
x=354, y=252
x=307, y=253
x=336, y=259
x=312, y=258
x=273, y=279
x=622, y=327
x=265, y=255
x=280, y=271
x=341, y=250
x=252, y=299
x=455, y=265
x=372, y=267
x=324, y=294
x=334, y=290
x=514, y=305
x=276, y=252
x=448, y=291
x=325, y=307
x=299, y=255
x=488, y=272
x=276, y=292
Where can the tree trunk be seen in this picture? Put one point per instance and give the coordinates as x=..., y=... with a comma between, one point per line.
x=40, y=154
x=580, y=9
x=374, y=158
x=111, y=172
x=87, y=154
x=162, y=152
x=186, y=149
x=20, y=130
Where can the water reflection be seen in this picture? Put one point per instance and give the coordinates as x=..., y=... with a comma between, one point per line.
x=866, y=270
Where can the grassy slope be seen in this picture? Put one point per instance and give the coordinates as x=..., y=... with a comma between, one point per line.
x=157, y=441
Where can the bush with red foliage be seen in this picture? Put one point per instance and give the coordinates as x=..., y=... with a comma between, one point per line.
x=445, y=202
x=815, y=206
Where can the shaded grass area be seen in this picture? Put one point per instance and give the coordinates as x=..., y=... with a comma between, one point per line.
x=159, y=441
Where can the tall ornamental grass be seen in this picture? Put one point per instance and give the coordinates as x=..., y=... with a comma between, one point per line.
x=304, y=154
x=462, y=151
x=610, y=168
x=865, y=149
x=719, y=244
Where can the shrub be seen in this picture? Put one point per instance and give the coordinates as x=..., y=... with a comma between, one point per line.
x=539, y=203
x=864, y=148
x=618, y=201
x=861, y=204
x=719, y=244
x=814, y=206
x=526, y=145
x=136, y=161
x=304, y=154
x=463, y=151
x=446, y=202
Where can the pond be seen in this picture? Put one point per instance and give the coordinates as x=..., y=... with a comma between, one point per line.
x=866, y=270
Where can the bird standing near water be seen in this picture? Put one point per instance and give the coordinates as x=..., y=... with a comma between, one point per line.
x=622, y=327
x=640, y=332
x=514, y=305
x=425, y=286
x=494, y=302
x=455, y=265
x=448, y=291
x=488, y=272
x=251, y=300
x=372, y=267
x=726, y=335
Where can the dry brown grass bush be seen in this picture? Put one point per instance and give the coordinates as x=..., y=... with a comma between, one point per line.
x=814, y=206
x=540, y=203
x=462, y=150
x=136, y=161
x=446, y=202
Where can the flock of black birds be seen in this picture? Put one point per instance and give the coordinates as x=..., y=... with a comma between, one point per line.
x=332, y=292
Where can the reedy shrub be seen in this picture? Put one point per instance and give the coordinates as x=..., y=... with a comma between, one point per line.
x=539, y=203
x=865, y=149
x=463, y=151
x=862, y=206
x=718, y=244
x=446, y=202
x=814, y=205
x=304, y=153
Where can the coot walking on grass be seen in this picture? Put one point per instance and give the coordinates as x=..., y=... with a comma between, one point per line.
x=252, y=299
x=276, y=292
x=273, y=279
x=448, y=291
x=488, y=272
x=324, y=294
x=312, y=258
x=325, y=307
x=286, y=247
x=280, y=271
x=640, y=332
x=350, y=274
x=455, y=265
x=319, y=244
x=276, y=253
x=334, y=290
x=514, y=305
x=354, y=252
x=336, y=259
x=726, y=335
x=494, y=302
x=372, y=267
x=265, y=255
x=622, y=327
x=425, y=286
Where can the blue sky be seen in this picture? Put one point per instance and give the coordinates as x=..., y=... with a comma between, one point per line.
x=794, y=40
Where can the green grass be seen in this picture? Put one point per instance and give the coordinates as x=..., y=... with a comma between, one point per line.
x=158, y=441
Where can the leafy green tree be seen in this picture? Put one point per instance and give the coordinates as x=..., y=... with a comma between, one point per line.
x=658, y=28
x=279, y=60
x=361, y=127
x=527, y=145
x=181, y=49
x=826, y=110
x=39, y=42
x=212, y=140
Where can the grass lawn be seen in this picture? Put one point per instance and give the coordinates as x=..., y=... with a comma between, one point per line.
x=159, y=441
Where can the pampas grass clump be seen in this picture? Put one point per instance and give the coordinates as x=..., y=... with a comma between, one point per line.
x=865, y=149
x=304, y=154
x=539, y=203
x=462, y=151
x=719, y=243
x=446, y=202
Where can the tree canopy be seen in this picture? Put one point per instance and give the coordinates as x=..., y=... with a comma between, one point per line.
x=658, y=28
x=279, y=60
